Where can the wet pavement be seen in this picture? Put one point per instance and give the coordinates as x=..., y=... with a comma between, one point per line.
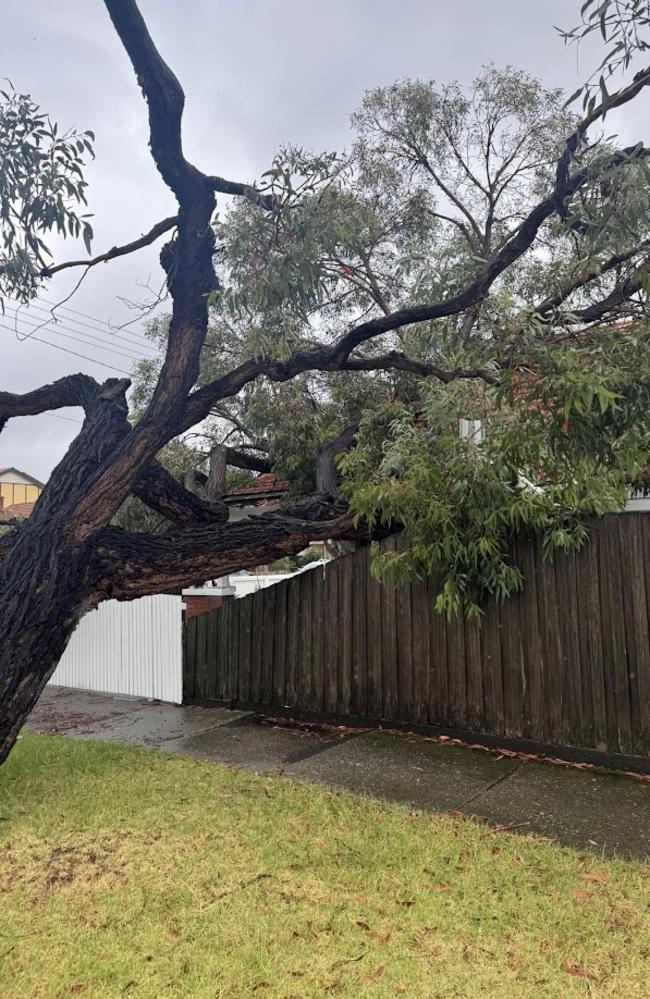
x=584, y=808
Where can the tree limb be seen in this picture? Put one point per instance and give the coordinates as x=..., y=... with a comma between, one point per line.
x=326, y=471
x=334, y=356
x=552, y=302
x=425, y=162
x=562, y=187
x=72, y=390
x=394, y=360
x=190, y=280
x=250, y=462
x=160, y=228
x=163, y=94
x=620, y=295
x=117, y=251
x=131, y=565
x=160, y=491
x=268, y=201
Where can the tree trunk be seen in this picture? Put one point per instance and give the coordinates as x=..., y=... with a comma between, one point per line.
x=43, y=597
x=28, y=662
x=48, y=586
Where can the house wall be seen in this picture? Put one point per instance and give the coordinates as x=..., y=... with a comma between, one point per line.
x=16, y=489
x=9, y=475
x=200, y=604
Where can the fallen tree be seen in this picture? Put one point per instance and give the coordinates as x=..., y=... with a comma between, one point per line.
x=67, y=557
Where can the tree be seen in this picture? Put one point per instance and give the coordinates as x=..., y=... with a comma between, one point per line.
x=67, y=557
x=376, y=230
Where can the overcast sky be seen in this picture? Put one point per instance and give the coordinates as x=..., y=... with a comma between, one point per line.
x=255, y=74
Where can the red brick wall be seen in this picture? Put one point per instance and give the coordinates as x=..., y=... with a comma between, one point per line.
x=199, y=605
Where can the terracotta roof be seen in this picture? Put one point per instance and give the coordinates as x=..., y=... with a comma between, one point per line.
x=263, y=484
x=19, y=510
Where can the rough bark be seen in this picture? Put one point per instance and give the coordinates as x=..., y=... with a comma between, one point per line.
x=215, y=485
x=165, y=563
x=49, y=574
x=327, y=479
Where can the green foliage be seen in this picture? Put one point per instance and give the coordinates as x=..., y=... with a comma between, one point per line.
x=438, y=180
x=624, y=28
x=41, y=186
x=369, y=233
x=560, y=447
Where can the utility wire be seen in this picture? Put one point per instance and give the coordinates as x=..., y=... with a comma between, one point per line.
x=58, y=416
x=93, y=343
x=93, y=319
x=24, y=314
x=58, y=346
x=75, y=326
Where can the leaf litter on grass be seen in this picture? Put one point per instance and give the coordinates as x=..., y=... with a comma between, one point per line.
x=129, y=872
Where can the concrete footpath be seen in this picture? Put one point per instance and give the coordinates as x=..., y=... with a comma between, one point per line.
x=591, y=810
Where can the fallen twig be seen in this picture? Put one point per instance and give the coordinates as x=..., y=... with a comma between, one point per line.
x=238, y=887
x=349, y=960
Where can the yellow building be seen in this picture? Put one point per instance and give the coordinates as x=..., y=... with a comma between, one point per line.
x=18, y=487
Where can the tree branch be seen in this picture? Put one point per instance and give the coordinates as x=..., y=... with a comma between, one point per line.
x=131, y=565
x=562, y=187
x=619, y=296
x=160, y=228
x=160, y=491
x=333, y=357
x=455, y=200
x=190, y=280
x=326, y=471
x=394, y=360
x=249, y=462
x=268, y=201
x=552, y=302
x=117, y=251
x=72, y=390
x=163, y=94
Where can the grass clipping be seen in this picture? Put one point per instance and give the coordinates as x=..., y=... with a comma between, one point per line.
x=125, y=872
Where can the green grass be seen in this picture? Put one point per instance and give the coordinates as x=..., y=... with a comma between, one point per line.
x=125, y=872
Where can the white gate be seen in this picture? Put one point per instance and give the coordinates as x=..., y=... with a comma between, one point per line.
x=131, y=648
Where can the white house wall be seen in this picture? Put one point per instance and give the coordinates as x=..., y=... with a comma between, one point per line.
x=16, y=479
x=133, y=648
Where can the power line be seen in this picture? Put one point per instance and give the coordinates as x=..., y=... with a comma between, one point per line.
x=96, y=326
x=53, y=325
x=94, y=343
x=132, y=343
x=93, y=319
x=58, y=416
x=66, y=350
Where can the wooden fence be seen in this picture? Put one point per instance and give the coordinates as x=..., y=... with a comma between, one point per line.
x=565, y=662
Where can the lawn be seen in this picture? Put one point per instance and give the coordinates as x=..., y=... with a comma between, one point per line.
x=125, y=872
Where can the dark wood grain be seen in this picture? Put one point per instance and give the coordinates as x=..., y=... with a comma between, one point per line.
x=360, y=661
x=346, y=634
x=566, y=661
x=279, y=686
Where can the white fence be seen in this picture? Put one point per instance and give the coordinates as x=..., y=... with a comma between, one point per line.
x=133, y=648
